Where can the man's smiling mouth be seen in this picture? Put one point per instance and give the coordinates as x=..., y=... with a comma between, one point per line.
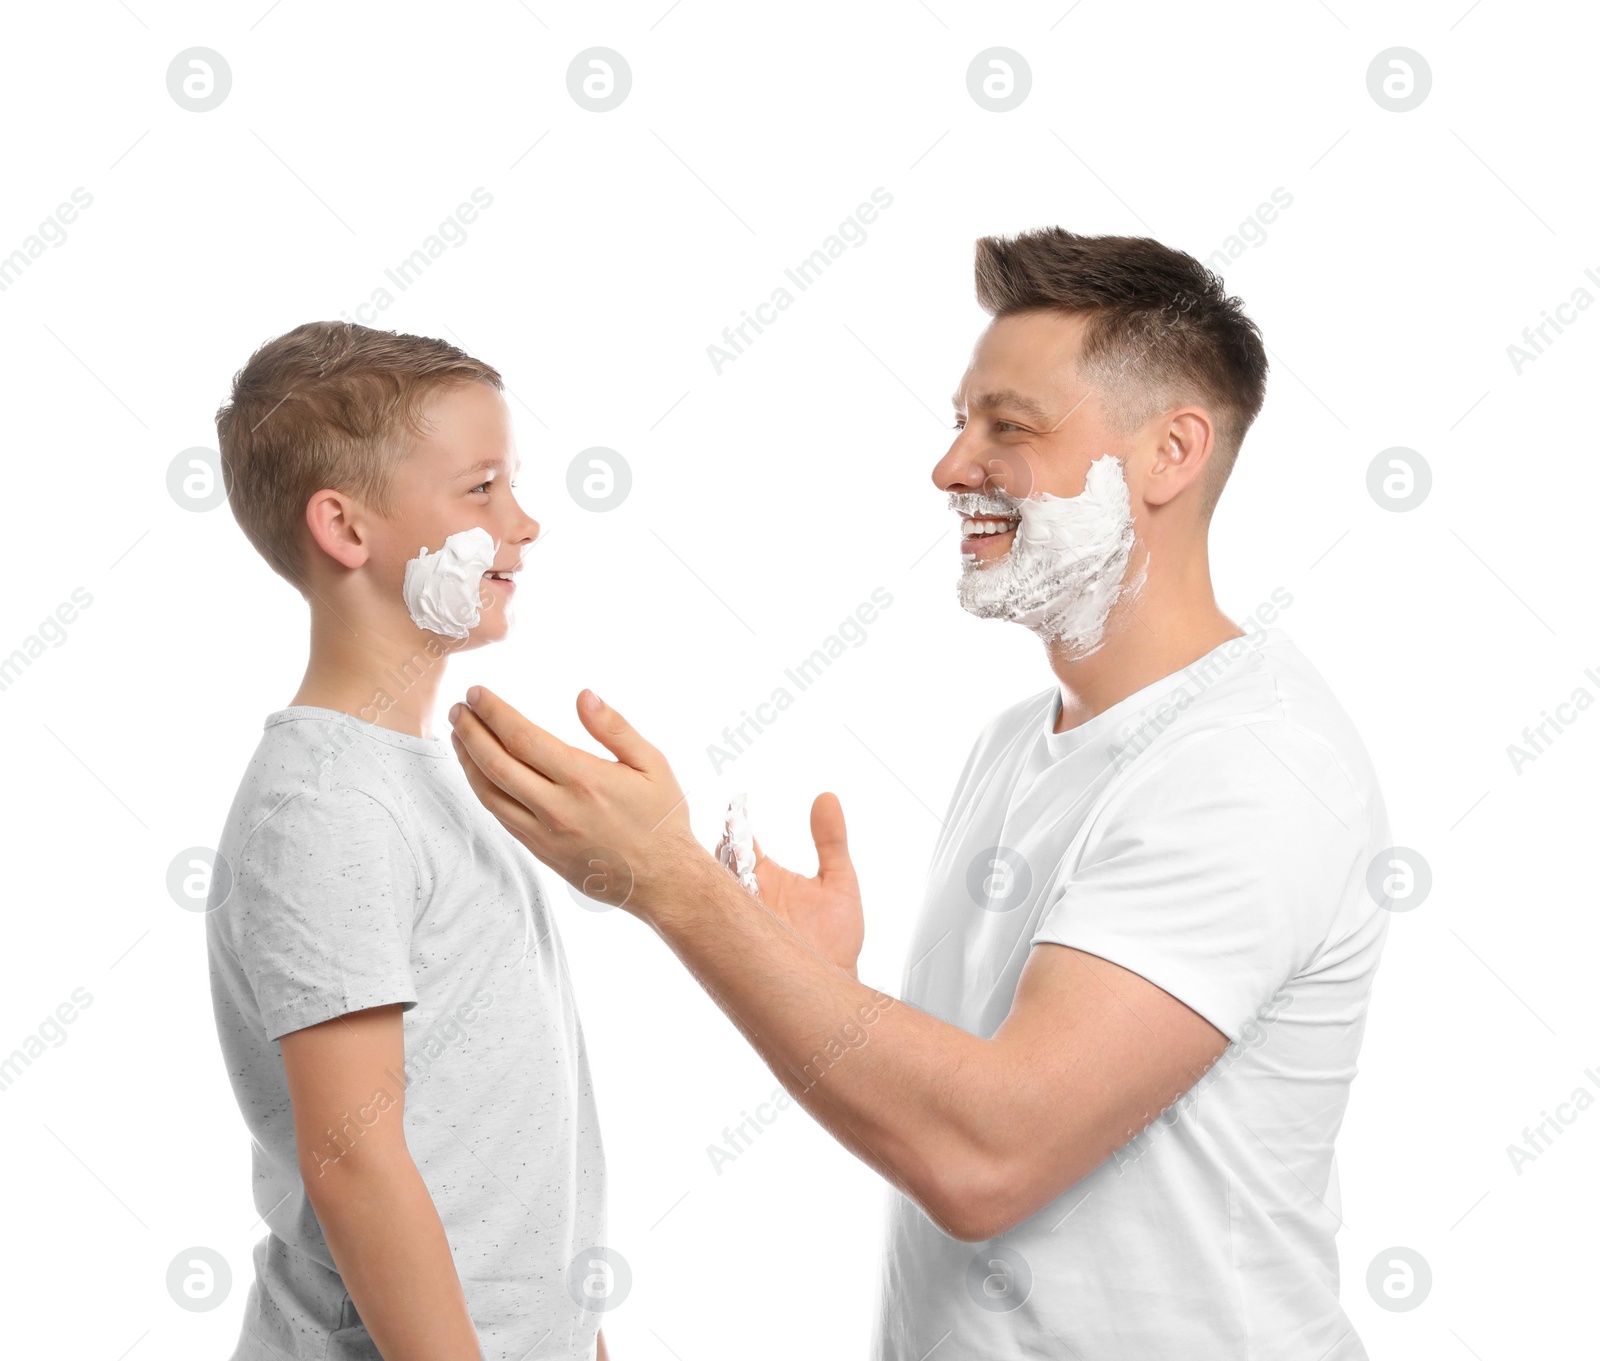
x=987, y=526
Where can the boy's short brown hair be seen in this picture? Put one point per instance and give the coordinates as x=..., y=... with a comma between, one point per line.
x=328, y=404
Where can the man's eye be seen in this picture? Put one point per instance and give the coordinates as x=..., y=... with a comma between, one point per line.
x=999, y=425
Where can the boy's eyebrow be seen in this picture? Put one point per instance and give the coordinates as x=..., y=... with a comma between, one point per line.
x=1006, y=397
x=483, y=465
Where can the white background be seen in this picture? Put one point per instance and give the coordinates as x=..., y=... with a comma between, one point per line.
x=768, y=502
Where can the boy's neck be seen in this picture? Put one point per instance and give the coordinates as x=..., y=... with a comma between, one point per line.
x=390, y=681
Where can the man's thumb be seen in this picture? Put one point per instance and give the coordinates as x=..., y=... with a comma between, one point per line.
x=827, y=830
x=615, y=732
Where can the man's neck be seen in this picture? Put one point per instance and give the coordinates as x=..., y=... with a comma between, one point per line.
x=1152, y=635
x=392, y=681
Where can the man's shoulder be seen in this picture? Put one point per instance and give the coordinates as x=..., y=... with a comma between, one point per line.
x=1270, y=722
x=1303, y=709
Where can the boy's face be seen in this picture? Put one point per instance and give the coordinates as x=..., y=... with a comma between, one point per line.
x=458, y=477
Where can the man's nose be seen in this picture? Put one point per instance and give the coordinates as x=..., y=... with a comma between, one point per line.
x=959, y=469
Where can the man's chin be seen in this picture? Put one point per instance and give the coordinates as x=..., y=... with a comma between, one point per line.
x=981, y=604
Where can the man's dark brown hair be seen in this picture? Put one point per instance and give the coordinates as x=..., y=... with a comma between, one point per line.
x=328, y=404
x=1161, y=330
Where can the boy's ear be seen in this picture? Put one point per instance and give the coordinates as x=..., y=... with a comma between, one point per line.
x=331, y=518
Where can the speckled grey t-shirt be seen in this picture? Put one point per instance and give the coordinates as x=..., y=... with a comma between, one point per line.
x=364, y=871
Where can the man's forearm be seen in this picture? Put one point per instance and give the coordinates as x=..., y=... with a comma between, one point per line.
x=387, y=1240
x=940, y=1113
x=917, y=1099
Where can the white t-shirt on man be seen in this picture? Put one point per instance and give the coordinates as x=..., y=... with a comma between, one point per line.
x=1211, y=832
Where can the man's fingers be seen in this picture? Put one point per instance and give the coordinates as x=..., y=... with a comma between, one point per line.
x=827, y=830
x=616, y=734
x=481, y=749
x=530, y=744
x=516, y=816
x=762, y=862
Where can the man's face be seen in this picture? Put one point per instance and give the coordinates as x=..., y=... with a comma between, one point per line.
x=1025, y=421
x=1038, y=478
x=459, y=477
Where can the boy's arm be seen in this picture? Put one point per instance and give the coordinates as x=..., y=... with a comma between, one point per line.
x=377, y=1216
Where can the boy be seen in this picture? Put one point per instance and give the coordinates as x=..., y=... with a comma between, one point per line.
x=390, y=991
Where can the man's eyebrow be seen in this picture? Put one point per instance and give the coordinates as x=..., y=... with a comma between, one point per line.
x=1009, y=398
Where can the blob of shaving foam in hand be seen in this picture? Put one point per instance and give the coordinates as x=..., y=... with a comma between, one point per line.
x=444, y=590
x=737, y=851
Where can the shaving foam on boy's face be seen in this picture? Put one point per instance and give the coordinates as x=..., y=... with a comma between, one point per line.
x=1064, y=569
x=444, y=591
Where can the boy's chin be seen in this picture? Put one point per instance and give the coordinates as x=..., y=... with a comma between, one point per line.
x=494, y=624
x=489, y=631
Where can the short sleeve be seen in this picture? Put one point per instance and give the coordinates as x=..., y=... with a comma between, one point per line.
x=321, y=910
x=1218, y=874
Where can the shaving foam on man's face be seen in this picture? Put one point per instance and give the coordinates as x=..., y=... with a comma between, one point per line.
x=1063, y=570
x=444, y=590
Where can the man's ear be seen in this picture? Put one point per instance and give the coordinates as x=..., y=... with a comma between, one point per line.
x=333, y=519
x=1184, y=440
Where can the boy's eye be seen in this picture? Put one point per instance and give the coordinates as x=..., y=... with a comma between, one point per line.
x=482, y=486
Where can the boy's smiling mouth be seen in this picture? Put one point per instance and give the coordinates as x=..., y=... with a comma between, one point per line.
x=502, y=576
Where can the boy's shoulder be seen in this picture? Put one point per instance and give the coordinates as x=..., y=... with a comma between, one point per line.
x=319, y=764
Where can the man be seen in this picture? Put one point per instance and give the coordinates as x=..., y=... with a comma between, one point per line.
x=1132, y=1009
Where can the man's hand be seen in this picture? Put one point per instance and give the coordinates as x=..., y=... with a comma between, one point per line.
x=617, y=830
x=826, y=908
